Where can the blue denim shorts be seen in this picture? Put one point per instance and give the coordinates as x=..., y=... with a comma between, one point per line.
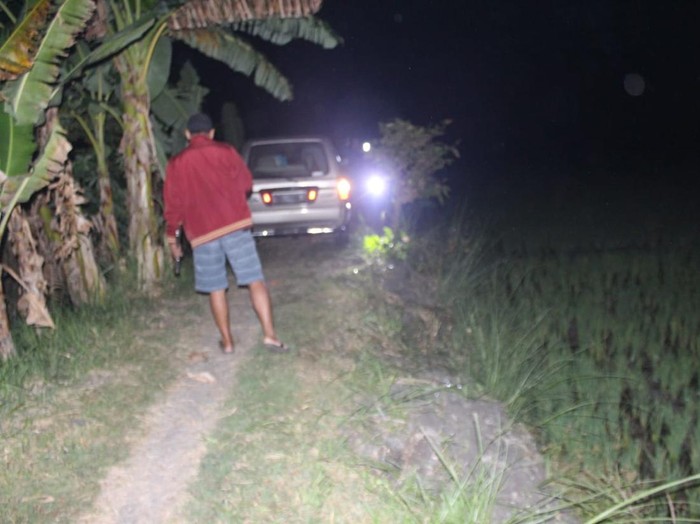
x=210, y=262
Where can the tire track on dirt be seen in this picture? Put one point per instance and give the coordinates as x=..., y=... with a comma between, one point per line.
x=151, y=485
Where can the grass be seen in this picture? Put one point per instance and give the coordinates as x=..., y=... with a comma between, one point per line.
x=304, y=440
x=593, y=346
x=471, y=497
x=281, y=455
x=568, y=340
x=69, y=400
x=73, y=398
x=277, y=459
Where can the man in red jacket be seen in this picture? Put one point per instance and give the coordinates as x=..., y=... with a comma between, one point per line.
x=206, y=190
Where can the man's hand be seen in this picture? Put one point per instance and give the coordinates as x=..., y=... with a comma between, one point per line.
x=175, y=251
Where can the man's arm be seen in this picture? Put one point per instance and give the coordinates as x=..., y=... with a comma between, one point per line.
x=245, y=177
x=172, y=213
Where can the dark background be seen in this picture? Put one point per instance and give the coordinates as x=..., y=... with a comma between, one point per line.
x=535, y=90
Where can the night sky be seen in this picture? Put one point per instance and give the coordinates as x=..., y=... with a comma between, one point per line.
x=528, y=84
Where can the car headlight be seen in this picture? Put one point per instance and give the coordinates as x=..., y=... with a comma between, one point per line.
x=376, y=185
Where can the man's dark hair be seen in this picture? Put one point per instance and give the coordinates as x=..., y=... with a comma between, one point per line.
x=199, y=123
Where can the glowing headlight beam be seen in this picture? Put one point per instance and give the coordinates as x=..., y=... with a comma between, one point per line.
x=376, y=185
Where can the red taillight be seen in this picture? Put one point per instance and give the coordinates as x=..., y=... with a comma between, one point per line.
x=266, y=197
x=312, y=194
x=343, y=186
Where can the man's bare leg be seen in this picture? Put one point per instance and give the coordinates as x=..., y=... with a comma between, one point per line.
x=260, y=298
x=219, y=309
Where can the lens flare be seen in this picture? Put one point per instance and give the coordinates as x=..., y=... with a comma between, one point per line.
x=376, y=185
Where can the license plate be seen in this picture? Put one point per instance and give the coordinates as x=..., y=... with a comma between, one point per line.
x=289, y=198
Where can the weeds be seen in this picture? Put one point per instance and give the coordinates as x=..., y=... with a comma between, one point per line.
x=67, y=402
x=595, y=349
x=280, y=459
x=381, y=249
x=470, y=499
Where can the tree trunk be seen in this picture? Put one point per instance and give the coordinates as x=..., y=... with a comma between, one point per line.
x=84, y=280
x=61, y=232
x=105, y=222
x=7, y=345
x=32, y=303
x=138, y=150
x=40, y=217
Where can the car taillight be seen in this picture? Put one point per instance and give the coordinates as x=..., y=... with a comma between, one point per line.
x=266, y=197
x=343, y=187
x=312, y=194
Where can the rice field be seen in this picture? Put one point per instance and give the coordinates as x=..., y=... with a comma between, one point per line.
x=595, y=345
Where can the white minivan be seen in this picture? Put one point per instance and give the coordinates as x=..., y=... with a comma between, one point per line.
x=298, y=186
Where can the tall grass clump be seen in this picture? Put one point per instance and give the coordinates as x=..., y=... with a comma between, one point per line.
x=596, y=349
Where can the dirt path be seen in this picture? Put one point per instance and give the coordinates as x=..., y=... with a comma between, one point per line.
x=151, y=486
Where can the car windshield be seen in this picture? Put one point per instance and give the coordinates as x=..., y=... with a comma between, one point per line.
x=288, y=160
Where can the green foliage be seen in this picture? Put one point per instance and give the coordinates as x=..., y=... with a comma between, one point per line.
x=159, y=66
x=108, y=47
x=16, y=146
x=18, y=50
x=596, y=350
x=28, y=96
x=617, y=510
x=41, y=84
x=281, y=31
x=381, y=249
x=240, y=56
x=412, y=156
x=171, y=109
x=86, y=385
x=19, y=188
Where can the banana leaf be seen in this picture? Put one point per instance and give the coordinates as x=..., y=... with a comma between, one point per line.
x=239, y=56
x=159, y=66
x=29, y=95
x=16, y=146
x=110, y=46
x=171, y=109
x=19, y=49
x=18, y=189
x=177, y=103
x=281, y=31
x=202, y=14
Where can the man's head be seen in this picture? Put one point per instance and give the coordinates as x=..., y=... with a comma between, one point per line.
x=199, y=123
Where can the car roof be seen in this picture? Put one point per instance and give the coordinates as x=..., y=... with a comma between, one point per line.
x=285, y=139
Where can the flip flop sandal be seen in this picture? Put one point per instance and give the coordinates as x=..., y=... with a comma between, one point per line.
x=224, y=351
x=276, y=347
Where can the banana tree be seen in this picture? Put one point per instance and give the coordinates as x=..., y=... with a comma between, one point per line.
x=34, y=150
x=91, y=102
x=172, y=107
x=29, y=68
x=209, y=26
